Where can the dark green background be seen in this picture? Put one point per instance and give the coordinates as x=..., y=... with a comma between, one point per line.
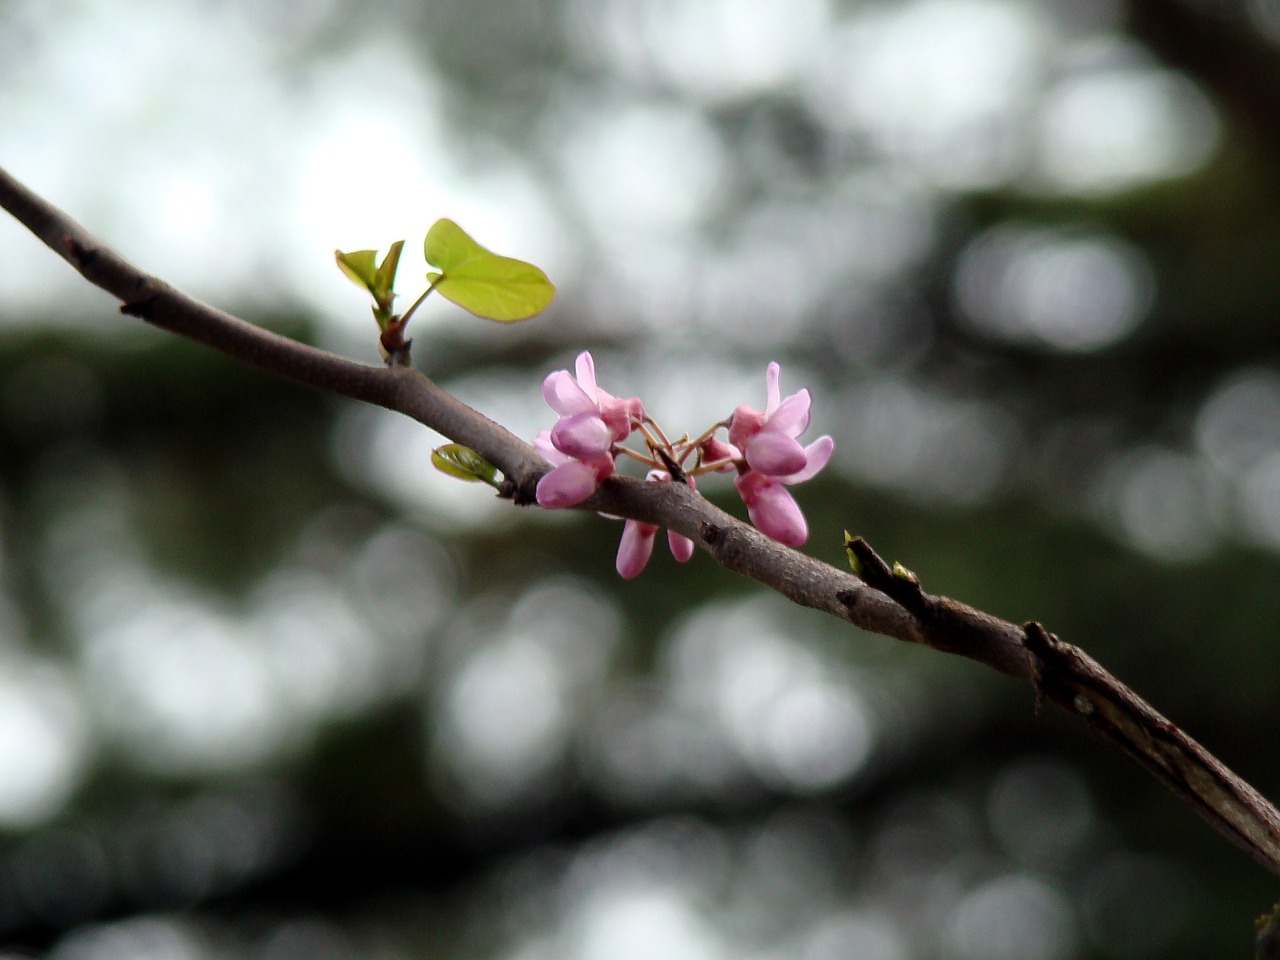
x=149, y=485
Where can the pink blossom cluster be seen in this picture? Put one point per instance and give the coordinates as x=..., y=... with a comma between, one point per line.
x=762, y=447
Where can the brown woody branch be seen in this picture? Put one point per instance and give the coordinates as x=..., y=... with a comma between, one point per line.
x=884, y=600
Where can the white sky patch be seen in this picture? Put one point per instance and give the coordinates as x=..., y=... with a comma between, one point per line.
x=944, y=83
x=44, y=741
x=759, y=45
x=794, y=718
x=234, y=172
x=925, y=444
x=652, y=168
x=508, y=712
x=184, y=689
x=640, y=923
x=1107, y=129
x=185, y=681
x=1070, y=290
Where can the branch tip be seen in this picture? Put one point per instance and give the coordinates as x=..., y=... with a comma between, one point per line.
x=897, y=582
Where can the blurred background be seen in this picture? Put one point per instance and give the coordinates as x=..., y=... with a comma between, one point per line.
x=271, y=687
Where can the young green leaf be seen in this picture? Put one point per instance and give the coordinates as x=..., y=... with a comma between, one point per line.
x=902, y=573
x=360, y=266
x=483, y=282
x=385, y=277
x=853, y=557
x=464, y=463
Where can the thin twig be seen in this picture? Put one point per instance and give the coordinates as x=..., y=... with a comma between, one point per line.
x=891, y=602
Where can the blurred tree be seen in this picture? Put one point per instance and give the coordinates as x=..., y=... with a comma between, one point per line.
x=271, y=688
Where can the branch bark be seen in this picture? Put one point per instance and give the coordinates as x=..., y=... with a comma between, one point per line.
x=883, y=600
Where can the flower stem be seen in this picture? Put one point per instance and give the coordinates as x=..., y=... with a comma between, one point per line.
x=404, y=318
x=648, y=461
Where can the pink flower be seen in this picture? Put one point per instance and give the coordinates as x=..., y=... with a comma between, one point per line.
x=571, y=481
x=636, y=546
x=770, y=505
x=717, y=451
x=591, y=420
x=768, y=439
x=762, y=446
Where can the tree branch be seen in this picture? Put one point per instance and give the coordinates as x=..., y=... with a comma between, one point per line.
x=885, y=601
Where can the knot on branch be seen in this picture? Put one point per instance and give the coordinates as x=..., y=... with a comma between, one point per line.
x=79, y=254
x=141, y=298
x=1048, y=652
x=522, y=493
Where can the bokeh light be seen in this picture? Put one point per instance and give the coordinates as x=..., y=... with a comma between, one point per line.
x=1019, y=252
x=1067, y=290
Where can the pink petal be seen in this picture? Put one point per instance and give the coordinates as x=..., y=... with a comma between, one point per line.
x=792, y=415
x=586, y=370
x=816, y=456
x=775, y=454
x=635, y=548
x=542, y=443
x=566, y=485
x=620, y=415
x=771, y=391
x=584, y=436
x=714, y=450
x=777, y=515
x=681, y=547
x=749, y=485
x=564, y=396
x=744, y=424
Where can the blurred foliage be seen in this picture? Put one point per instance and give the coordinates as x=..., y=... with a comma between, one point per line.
x=272, y=687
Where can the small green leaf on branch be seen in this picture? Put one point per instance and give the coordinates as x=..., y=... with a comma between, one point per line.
x=384, y=280
x=902, y=573
x=461, y=462
x=360, y=266
x=478, y=280
x=856, y=566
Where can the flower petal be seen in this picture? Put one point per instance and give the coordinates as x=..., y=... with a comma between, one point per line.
x=681, y=546
x=566, y=485
x=792, y=415
x=585, y=367
x=635, y=548
x=775, y=454
x=620, y=415
x=777, y=515
x=584, y=436
x=564, y=395
x=816, y=456
x=771, y=391
x=745, y=423
x=542, y=443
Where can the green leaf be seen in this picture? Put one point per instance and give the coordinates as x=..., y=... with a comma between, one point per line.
x=476, y=279
x=853, y=557
x=360, y=266
x=464, y=463
x=902, y=573
x=385, y=278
